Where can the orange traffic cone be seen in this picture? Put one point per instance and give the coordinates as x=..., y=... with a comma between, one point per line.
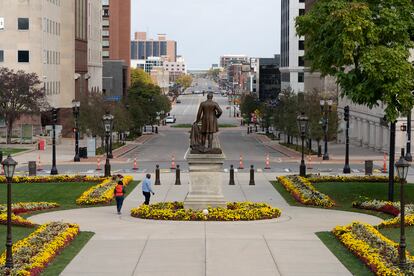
x=135, y=165
x=173, y=166
x=39, y=164
x=267, y=167
x=98, y=164
x=241, y=166
x=384, y=169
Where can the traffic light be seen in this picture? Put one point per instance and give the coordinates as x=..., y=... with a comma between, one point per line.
x=54, y=115
x=346, y=113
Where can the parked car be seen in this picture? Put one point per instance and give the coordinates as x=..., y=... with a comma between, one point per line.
x=170, y=120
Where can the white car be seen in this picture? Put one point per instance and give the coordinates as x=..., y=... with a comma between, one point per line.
x=170, y=120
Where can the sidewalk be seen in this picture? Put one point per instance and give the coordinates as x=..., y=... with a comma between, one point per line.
x=123, y=245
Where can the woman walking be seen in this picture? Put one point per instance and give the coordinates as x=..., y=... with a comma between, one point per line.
x=119, y=193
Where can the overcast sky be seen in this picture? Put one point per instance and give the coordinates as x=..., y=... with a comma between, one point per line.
x=207, y=29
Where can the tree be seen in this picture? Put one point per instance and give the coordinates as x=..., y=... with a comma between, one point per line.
x=20, y=93
x=248, y=105
x=140, y=76
x=185, y=81
x=365, y=45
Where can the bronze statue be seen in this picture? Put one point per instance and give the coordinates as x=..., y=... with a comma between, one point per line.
x=208, y=113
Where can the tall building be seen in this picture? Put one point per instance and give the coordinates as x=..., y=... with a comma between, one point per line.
x=116, y=47
x=268, y=84
x=95, y=45
x=226, y=60
x=292, y=63
x=143, y=48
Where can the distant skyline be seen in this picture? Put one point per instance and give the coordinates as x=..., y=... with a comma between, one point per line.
x=205, y=30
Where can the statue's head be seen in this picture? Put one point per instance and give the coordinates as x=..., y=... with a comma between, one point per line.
x=210, y=95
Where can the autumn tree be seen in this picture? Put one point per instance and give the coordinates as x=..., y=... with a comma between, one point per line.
x=140, y=76
x=21, y=93
x=185, y=81
x=365, y=45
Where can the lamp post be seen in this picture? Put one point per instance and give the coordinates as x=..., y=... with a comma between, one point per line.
x=408, y=156
x=107, y=121
x=402, y=169
x=54, y=170
x=326, y=108
x=8, y=166
x=302, y=121
x=347, y=168
x=75, y=109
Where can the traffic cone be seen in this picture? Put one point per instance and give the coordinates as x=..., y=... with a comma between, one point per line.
x=267, y=167
x=135, y=165
x=39, y=164
x=241, y=166
x=310, y=162
x=384, y=169
x=98, y=165
x=173, y=166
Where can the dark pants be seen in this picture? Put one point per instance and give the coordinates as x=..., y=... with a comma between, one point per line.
x=147, y=196
x=119, y=202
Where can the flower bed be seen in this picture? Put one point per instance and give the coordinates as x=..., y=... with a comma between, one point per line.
x=32, y=254
x=395, y=222
x=388, y=207
x=16, y=220
x=304, y=192
x=102, y=193
x=234, y=212
x=57, y=178
x=379, y=253
x=24, y=207
x=329, y=178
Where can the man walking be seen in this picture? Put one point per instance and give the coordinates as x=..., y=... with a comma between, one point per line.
x=146, y=189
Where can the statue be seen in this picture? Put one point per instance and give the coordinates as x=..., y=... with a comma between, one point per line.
x=208, y=113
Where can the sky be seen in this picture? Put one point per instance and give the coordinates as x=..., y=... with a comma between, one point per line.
x=206, y=29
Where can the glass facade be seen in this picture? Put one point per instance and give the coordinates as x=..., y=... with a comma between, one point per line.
x=141, y=50
x=148, y=49
x=134, y=49
x=156, y=51
x=284, y=38
x=163, y=48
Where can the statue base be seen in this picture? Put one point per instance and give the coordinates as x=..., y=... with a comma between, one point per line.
x=206, y=172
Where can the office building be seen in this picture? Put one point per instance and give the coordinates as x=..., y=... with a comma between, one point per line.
x=226, y=60
x=95, y=45
x=267, y=78
x=143, y=48
x=292, y=63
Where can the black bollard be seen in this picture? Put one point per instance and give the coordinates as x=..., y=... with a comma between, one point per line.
x=145, y=129
x=152, y=128
x=251, y=182
x=156, y=130
x=319, y=151
x=157, y=175
x=248, y=130
x=255, y=128
x=177, y=175
x=231, y=182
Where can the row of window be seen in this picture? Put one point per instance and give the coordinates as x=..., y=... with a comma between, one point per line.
x=51, y=57
x=56, y=2
x=52, y=87
x=51, y=27
x=22, y=56
x=285, y=77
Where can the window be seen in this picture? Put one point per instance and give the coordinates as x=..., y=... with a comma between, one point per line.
x=301, y=12
x=1, y=23
x=23, y=56
x=105, y=33
x=105, y=2
x=301, y=77
x=1, y=55
x=105, y=54
x=301, y=61
x=105, y=43
x=301, y=45
x=301, y=1
x=23, y=23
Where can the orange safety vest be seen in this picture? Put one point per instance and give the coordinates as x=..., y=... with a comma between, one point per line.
x=119, y=190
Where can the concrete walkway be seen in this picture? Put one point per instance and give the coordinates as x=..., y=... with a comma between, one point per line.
x=288, y=245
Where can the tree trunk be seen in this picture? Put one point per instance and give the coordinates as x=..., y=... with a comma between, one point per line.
x=10, y=122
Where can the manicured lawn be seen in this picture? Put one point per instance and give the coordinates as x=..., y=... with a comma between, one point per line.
x=18, y=233
x=62, y=260
x=345, y=193
x=63, y=193
x=7, y=151
x=352, y=263
x=394, y=234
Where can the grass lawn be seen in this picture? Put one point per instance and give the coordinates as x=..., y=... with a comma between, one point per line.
x=394, y=234
x=352, y=263
x=7, y=151
x=62, y=260
x=190, y=125
x=345, y=193
x=18, y=233
x=63, y=193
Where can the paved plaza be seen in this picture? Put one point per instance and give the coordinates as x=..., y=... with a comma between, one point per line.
x=123, y=245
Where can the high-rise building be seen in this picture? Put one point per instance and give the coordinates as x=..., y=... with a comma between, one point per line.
x=95, y=45
x=142, y=48
x=226, y=60
x=116, y=47
x=268, y=78
x=292, y=63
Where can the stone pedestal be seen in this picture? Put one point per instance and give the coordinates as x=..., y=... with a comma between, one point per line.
x=206, y=172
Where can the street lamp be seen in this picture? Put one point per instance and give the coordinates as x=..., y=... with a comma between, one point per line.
x=326, y=108
x=54, y=170
x=75, y=109
x=302, y=121
x=107, y=121
x=402, y=170
x=347, y=168
x=8, y=166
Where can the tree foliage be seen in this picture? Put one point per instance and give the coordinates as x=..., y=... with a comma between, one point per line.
x=365, y=45
x=20, y=93
x=185, y=81
x=249, y=104
x=140, y=76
